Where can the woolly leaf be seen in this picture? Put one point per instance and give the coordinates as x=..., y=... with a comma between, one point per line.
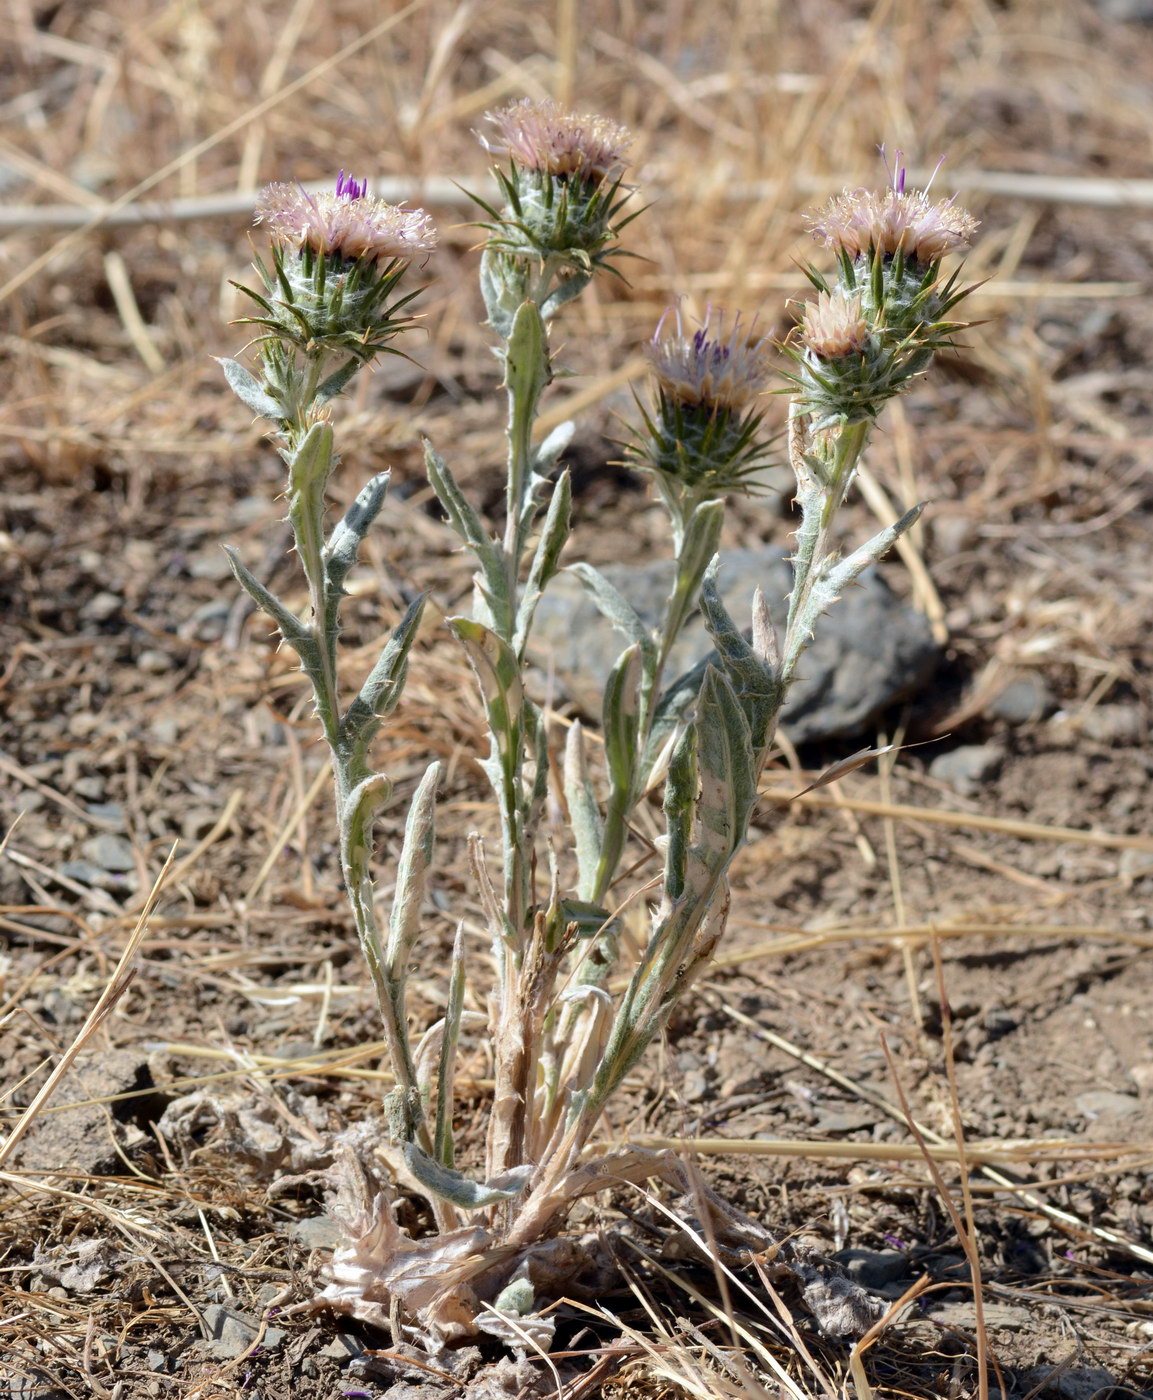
x=341, y=550
x=453, y=1186
x=249, y=390
x=612, y=605
x=546, y=560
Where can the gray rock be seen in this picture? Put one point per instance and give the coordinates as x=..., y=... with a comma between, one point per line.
x=233, y=1333
x=1126, y=11
x=870, y=651
x=86, y=873
x=967, y=767
x=317, y=1232
x=84, y=1138
x=845, y=1120
x=1103, y=1103
x=1024, y=699
x=1070, y=1383
x=343, y=1347
x=873, y=1268
x=110, y=852
x=1120, y=726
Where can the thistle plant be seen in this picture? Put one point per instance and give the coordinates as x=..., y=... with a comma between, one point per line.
x=553, y=895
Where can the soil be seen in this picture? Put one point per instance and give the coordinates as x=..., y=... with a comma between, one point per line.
x=967, y=929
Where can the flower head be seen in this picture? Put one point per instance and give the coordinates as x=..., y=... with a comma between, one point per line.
x=561, y=213
x=703, y=437
x=834, y=325
x=331, y=292
x=543, y=137
x=893, y=220
x=346, y=224
x=709, y=368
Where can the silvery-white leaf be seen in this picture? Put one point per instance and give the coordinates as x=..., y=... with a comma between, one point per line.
x=249, y=390
x=461, y=1190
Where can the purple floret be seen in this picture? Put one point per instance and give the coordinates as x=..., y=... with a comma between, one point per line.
x=348, y=187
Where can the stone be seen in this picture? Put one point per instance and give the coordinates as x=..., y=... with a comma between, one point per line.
x=110, y=852
x=1119, y=726
x=968, y=767
x=101, y=607
x=1125, y=11
x=873, y=1268
x=317, y=1232
x=1022, y=700
x=344, y=1346
x=1135, y=865
x=1104, y=1104
x=82, y=1138
x=1070, y=1382
x=233, y=1333
x=871, y=650
x=851, y=1119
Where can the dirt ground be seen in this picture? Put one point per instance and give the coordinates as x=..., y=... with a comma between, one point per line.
x=164, y=1212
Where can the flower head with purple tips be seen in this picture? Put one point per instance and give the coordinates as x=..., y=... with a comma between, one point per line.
x=346, y=224
x=710, y=368
x=894, y=220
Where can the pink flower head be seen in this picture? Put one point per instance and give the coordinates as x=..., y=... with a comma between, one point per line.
x=542, y=136
x=834, y=326
x=893, y=220
x=346, y=224
x=710, y=368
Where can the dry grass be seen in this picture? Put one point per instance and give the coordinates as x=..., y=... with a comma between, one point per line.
x=125, y=464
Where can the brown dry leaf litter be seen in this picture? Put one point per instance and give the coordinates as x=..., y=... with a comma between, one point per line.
x=160, y=1204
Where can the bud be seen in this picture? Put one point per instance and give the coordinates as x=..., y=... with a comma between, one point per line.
x=702, y=439
x=834, y=326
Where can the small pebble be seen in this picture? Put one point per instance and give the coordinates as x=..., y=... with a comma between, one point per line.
x=83, y=723
x=91, y=789
x=197, y=823
x=102, y=606
x=317, y=1232
x=1104, y=1104
x=1025, y=699
x=85, y=872
x=110, y=853
x=967, y=768
x=343, y=1347
x=1121, y=726
x=1135, y=865
x=154, y=662
x=211, y=564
